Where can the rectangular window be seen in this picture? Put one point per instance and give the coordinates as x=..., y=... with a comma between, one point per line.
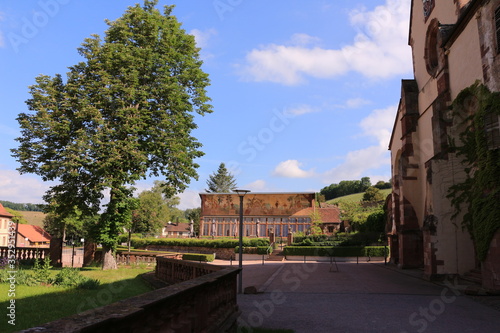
x=492, y=128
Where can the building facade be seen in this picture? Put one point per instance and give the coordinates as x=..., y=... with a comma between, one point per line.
x=5, y=220
x=265, y=214
x=455, y=44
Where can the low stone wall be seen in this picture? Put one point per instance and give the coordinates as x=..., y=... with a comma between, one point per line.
x=206, y=303
x=220, y=253
x=132, y=257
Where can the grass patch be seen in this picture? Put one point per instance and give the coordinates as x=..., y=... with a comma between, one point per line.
x=41, y=304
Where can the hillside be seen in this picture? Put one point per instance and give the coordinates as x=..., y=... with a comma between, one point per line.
x=34, y=218
x=356, y=196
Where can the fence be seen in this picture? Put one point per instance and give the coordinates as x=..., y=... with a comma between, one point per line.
x=24, y=253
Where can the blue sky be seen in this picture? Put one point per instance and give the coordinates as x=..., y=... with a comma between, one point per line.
x=304, y=92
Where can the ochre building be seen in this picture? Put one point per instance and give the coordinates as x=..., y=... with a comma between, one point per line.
x=264, y=214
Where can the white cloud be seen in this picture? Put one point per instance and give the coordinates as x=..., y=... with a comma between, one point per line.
x=21, y=188
x=304, y=39
x=379, y=50
x=189, y=199
x=379, y=124
x=291, y=169
x=376, y=125
x=354, y=103
x=202, y=37
x=299, y=110
x=257, y=186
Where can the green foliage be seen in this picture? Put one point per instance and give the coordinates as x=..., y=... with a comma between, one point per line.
x=328, y=251
x=345, y=187
x=198, y=257
x=71, y=277
x=356, y=213
x=25, y=207
x=373, y=194
x=341, y=239
x=153, y=211
x=316, y=223
x=375, y=222
x=195, y=242
x=122, y=114
x=262, y=250
x=41, y=272
x=479, y=194
x=222, y=181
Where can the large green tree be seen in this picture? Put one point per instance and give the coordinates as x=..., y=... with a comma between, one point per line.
x=221, y=181
x=124, y=113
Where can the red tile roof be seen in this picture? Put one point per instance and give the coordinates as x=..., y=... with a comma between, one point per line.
x=4, y=212
x=328, y=215
x=181, y=227
x=34, y=233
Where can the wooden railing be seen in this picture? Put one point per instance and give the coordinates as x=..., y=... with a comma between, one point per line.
x=24, y=253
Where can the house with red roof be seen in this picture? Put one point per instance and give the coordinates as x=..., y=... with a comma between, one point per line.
x=32, y=235
x=5, y=221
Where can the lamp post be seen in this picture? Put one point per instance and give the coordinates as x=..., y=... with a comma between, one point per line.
x=241, y=194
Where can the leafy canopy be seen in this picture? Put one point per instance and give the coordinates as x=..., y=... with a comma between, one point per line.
x=124, y=113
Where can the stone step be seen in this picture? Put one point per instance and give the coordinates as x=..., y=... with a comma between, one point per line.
x=474, y=276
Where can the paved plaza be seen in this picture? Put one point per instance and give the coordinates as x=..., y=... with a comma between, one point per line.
x=349, y=297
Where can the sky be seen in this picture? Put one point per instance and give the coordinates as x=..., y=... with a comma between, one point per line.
x=304, y=93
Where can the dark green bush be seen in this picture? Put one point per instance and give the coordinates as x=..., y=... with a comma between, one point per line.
x=264, y=250
x=197, y=242
x=340, y=251
x=198, y=257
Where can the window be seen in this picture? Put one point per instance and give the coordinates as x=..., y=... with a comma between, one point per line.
x=492, y=128
x=497, y=28
x=431, y=54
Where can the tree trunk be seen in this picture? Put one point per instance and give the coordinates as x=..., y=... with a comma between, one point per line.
x=108, y=259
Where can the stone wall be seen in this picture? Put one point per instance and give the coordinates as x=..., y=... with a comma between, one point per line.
x=220, y=253
x=206, y=303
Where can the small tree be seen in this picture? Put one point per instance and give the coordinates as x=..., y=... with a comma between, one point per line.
x=373, y=194
x=221, y=181
x=316, y=223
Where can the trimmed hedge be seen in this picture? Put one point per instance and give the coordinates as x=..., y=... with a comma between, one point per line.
x=196, y=242
x=198, y=257
x=327, y=251
x=264, y=250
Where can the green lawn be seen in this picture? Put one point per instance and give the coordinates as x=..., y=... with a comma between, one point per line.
x=40, y=304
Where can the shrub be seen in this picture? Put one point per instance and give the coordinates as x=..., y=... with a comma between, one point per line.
x=264, y=250
x=41, y=273
x=196, y=242
x=89, y=283
x=198, y=257
x=68, y=277
x=71, y=277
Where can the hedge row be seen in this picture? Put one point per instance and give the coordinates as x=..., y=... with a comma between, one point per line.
x=198, y=257
x=264, y=250
x=142, y=243
x=327, y=251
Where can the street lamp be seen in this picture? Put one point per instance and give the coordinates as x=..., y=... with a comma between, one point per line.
x=241, y=194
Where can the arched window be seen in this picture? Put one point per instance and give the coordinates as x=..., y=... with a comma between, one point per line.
x=432, y=48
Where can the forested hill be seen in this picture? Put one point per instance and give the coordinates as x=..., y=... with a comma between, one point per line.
x=27, y=207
